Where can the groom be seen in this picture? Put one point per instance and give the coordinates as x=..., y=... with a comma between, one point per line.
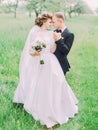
x=63, y=39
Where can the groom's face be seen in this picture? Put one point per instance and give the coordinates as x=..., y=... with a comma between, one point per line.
x=56, y=22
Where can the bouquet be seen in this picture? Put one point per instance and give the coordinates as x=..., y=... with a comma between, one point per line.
x=37, y=48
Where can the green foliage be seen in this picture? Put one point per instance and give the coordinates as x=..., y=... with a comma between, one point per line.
x=69, y=7
x=7, y=8
x=10, y=7
x=52, y=5
x=82, y=8
x=83, y=76
x=97, y=10
x=36, y=6
x=77, y=7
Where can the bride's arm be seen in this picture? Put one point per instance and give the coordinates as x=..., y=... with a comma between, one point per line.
x=53, y=47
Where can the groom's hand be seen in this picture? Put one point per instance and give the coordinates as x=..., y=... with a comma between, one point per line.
x=56, y=36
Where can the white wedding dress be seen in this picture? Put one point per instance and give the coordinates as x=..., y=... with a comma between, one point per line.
x=43, y=89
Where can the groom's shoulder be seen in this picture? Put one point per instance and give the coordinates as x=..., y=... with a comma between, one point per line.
x=68, y=32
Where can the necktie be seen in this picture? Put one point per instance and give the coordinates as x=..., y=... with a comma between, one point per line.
x=59, y=31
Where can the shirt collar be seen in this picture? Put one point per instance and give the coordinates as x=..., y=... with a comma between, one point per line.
x=63, y=29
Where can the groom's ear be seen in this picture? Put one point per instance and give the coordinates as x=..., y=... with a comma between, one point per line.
x=60, y=20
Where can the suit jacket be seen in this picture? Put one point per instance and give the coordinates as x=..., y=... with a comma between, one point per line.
x=63, y=47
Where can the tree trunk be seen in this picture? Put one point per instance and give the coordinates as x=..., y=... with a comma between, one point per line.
x=69, y=14
x=15, y=13
x=65, y=14
x=78, y=14
x=16, y=6
x=36, y=12
x=30, y=14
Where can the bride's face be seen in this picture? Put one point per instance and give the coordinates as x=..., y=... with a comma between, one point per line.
x=47, y=24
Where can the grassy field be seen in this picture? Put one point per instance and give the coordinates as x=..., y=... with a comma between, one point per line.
x=83, y=76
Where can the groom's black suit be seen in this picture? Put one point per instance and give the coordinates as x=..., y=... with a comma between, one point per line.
x=63, y=47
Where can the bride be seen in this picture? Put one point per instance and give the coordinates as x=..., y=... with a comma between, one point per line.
x=43, y=89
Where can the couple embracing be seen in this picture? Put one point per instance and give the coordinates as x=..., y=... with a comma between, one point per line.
x=42, y=88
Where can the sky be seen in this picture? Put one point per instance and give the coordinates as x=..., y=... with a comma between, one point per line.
x=93, y=4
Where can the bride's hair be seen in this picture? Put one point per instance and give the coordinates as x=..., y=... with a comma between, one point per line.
x=42, y=19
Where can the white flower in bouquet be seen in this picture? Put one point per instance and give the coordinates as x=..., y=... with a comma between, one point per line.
x=37, y=48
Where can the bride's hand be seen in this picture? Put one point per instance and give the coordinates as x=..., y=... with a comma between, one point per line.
x=56, y=36
x=36, y=53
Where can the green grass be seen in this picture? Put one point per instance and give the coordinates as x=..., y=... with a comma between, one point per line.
x=83, y=76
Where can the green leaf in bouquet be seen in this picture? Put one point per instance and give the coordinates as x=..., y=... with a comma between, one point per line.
x=41, y=62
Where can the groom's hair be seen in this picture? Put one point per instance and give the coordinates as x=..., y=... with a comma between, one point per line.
x=60, y=15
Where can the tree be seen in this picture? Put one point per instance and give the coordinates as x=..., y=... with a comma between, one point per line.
x=53, y=5
x=15, y=6
x=81, y=8
x=78, y=8
x=70, y=6
x=35, y=5
x=10, y=7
